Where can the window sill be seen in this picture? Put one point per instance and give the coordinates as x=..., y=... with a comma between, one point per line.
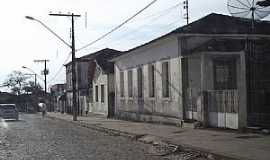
x=130, y=98
x=166, y=97
x=151, y=98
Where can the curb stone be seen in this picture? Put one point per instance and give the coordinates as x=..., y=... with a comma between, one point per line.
x=113, y=132
x=160, y=140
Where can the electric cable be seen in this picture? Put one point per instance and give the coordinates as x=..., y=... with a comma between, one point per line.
x=117, y=27
x=103, y=36
x=60, y=69
x=159, y=15
x=127, y=34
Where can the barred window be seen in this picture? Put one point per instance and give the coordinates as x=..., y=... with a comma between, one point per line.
x=140, y=82
x=223, y=101
x=165, y=79
x=130, y=84
x=102, y=93
x=122, y=89
x=91, y=93
x=96, y=93
x=151, y=77
x=224, y=73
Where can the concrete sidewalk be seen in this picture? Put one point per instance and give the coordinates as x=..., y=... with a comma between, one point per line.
x=246, y=146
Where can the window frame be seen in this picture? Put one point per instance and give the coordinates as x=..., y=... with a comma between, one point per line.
x=130, y=83
x=102, y=93
x=151, y=80
x=122, y=84
x=228, y=63
x=96, y=93
x=168, y=80
x=140, y=83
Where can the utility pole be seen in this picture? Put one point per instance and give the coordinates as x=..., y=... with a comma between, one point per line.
x=45, y=72
x=186, y=7
x=74, y=103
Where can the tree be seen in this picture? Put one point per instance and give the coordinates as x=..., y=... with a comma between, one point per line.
x=18, y=83
x=31, y=87
x=15, y=82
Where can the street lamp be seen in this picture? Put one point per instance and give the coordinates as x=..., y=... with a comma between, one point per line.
x=33, y=73
x=34, y=92
x=72, y=46
x=28, y=17
x=50, y=30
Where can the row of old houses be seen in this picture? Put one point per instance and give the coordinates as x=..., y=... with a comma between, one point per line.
x=214, y=70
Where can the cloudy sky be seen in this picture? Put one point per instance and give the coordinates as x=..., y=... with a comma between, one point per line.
x=23, y=41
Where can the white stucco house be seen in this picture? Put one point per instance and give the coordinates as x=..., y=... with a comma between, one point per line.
x=85, y=67
x=103, y=83
x=203, y=71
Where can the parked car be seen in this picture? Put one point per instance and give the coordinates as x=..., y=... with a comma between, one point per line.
x=9, y=111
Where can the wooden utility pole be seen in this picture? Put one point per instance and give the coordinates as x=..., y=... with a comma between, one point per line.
x=74, y=100
x=45, y=72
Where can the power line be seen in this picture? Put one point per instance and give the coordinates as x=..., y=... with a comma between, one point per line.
x=117, y=27
x=62, y=66
x=160, y=12
x=60, y=69
x=155, y=18
x=103, y=36
x=118, y=41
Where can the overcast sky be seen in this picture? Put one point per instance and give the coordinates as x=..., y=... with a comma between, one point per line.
x=23, y=41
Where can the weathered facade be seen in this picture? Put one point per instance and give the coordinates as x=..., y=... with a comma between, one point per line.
x=103, y=88
x=83, y=69
x=138, y=79
x=204, y=71
x=103, y=84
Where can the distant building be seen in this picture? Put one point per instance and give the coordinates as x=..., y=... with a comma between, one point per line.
x=85, y=69
x=58, y=98
x=214, y=70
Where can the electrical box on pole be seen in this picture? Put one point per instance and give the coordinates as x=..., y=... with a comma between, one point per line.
x=45, y=72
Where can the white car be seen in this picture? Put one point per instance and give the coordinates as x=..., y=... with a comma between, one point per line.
x=9, y=111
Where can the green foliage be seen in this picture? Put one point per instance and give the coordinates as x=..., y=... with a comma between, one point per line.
x=15, y=81
x=31, y=87
x=18, y=83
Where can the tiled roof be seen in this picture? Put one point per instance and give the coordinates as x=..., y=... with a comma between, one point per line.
x=223, y=24
x=103, y=59
x=104, y=54
x=218, y=24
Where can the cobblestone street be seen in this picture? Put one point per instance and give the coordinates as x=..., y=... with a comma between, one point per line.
x=35, y=138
